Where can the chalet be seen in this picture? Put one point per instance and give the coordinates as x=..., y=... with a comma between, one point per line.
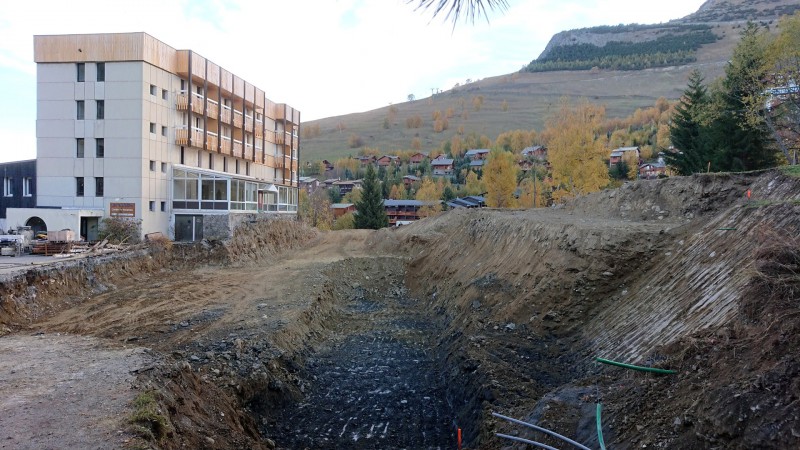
x=477, y=154
x=366, y=160
x=651, y=170
x=476, y=164
x=409, y=180
x=442, y=166
x=310, y=184
x=387, y=160
x=537, y=151
x=328, y=165
x=624, y=154
x=472, y=201
x=347, y=186
x=404, y=211
x=329, y=182
x=417, y=158
x=340, y=209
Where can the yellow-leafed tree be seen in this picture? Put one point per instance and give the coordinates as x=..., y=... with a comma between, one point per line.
x=575, y=149
x=430, y=192
x=500, y=176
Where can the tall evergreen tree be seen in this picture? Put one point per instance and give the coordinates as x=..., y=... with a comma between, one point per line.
x=742, y=144
x=687, y=132
x=371, y=214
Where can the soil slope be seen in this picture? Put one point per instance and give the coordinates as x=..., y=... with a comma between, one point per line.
x=399, y=337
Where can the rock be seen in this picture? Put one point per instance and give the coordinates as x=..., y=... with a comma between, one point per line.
x=194, y=358
x=184, y=324
x=476, y=304
x=511, y=326
x=209, y=440
x=269, y=443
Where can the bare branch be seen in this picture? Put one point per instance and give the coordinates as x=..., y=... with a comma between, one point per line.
x=456, y=9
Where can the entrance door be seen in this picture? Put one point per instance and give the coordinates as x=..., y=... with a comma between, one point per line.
x=90, y=228
x=188, y=228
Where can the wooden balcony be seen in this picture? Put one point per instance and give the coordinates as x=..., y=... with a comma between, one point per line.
x=238, y=118
x=182, y=136
x=248, y=123
x=259, y=129
x=248, y=150
x=270, y=137
x=269, y=161
x=226, y=114
x=212, y=141
x=237, y=148
x=182, y=101
x=197, y=103
x=226, y=145
x=212, y=108
x=287, y=161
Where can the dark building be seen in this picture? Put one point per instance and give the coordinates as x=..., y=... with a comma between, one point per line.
x=19, y=187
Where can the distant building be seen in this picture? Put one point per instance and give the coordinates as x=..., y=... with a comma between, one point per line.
x=19, y=191
x=404, y=211
x=472, y=201
x=387, y=160
x=409, y=180
x=442, y=166
x=417, y=158
x=476, y=164
x=310, y=184
x=624, y=154
x=537, y=151
x=477, y=154
x=340, y=209
x=346, y=186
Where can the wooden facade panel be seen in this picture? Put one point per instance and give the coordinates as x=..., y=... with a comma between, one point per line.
x=88, y=47
x=213, y=73
x=198, y=66
x=227, y=81
x=238, y=86
x=259, y=101
x=160, y=54
x=182, y=63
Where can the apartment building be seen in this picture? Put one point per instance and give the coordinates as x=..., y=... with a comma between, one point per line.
x=130, y=127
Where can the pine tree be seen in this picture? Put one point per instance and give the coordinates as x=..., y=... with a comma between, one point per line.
x=371, y=214
x=687, y=132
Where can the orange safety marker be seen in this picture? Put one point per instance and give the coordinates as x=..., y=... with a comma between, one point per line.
x=748, y=194
x=459, y=439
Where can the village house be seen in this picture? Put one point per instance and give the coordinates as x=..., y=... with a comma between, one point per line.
x=537, y=151
x=366, y=160
x=472, y=201
x=477, y=154
x=327, y=184
x=340, y=209
x=442, y=166
x=624, y=154
x=417, y=158
x=409, y=180
x=310, y=184
x=402, y=212
x=346, y=186
x=476, y=165
x=388, y=160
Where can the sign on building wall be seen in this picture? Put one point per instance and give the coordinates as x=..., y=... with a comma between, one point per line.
x=123, y=210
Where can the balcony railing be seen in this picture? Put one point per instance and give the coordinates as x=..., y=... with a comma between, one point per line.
x=226, y=145
x=259, y=128
x=212, y=108
x=287, y=161
x=197, y=102
x=226, y=114
x=270, y=137
x=248, y=123
x=237, y=119
x=269, y=161
x=182, y=101
x=237, y=148
x=182, y=136
x=248, y=149
x=212, y=141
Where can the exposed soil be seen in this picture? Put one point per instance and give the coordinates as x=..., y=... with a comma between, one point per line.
x=397, y=338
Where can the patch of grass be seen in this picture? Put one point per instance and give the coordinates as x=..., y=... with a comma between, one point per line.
x=792, y=171
x=147, y=419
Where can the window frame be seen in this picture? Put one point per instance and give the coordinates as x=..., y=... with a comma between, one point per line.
x=101, y=71
x=80, y=110
x=99, y=148
x=80, y=147
x=80, y=187
x=101, y=109
x=80, y=72
x=99, y=186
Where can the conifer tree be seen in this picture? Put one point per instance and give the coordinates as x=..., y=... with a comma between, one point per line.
x=371, y=214
x=687, y=132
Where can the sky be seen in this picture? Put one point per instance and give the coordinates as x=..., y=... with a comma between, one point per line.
x=323, y=57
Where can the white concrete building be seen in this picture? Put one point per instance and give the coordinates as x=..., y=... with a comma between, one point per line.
x=129, y=127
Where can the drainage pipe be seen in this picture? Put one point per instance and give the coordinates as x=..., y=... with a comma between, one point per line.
x=600, y=428
x=640, y=368
x=514, y=438
x=543, y=430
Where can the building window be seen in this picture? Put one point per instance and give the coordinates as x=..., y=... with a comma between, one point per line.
x=164, y=94
x=199, y=158
x=79, y=186
x=247, y=168
x=152, y=128
x=98, y=187
x=224, y=164
x=183, y=154
x=163, y=206
x=152, y=166
x=101, y=71
x=101, y=109
x=164, y=131
x=152, y=205
x=27, y=186
x=80, y=109
x=100, y=148
x=164, y=167
x=237, y=166
x=153, y=89
x=8, y=186
x=211, y=161
x=183, y=85
x=81, y=72
x=79, y=150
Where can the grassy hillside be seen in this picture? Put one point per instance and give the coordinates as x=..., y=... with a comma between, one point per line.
x=524, y=100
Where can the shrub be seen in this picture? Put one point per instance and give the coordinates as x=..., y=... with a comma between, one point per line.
x=121, y=230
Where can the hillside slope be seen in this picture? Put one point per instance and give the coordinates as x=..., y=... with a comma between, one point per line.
x=524, y=100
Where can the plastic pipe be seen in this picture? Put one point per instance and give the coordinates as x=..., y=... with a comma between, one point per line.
x=543, y=430
x=600, y=428
x=631, y=366
x=514, y=438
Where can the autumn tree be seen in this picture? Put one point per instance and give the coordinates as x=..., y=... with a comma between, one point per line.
x=398, y=192
x=473, y=185
x=414, y=121
x=430, y=192
x=477, y=102
x=315, y=209
x=504, y=106
x=355, y=141
x=345, y=222
x=416, y=144
x=371, y=213
x=500, y=176
x=575, y=151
